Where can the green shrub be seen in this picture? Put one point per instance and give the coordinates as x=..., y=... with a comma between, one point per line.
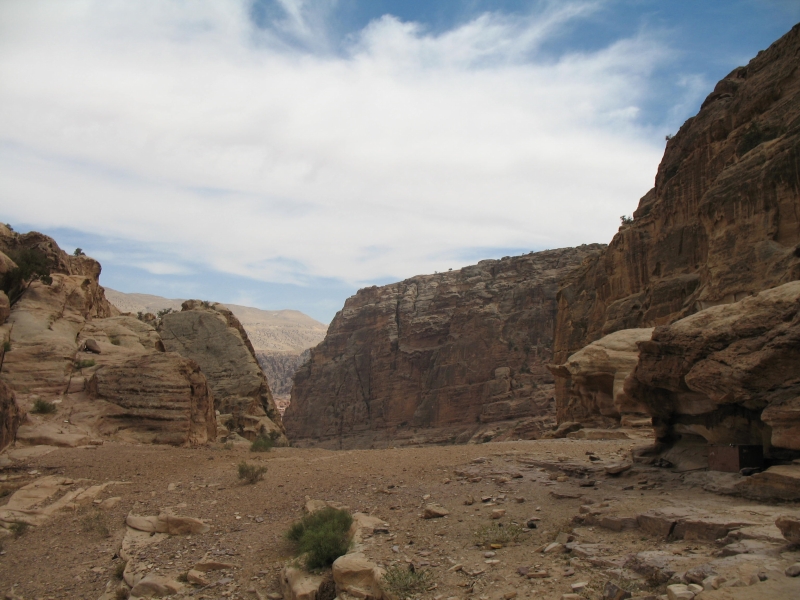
x=32, y=265
x=323, y=536
x=7, y=346
x=406, y=581
x=84, y=364
x=19, y=529
x=79, y=252
x=119, y=569
x=262, y=444
x=626, y=220
x=43, y=407
x=251, y=473
x=114, y=340
x=163, y=311
x=95, y=522
x=497, y=533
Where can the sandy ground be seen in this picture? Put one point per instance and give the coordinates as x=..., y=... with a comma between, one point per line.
x=71, y=557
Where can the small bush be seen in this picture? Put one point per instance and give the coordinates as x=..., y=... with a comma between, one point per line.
x=19, y=529
x=262, y=444
x=122, y=593
x=119, y=570
x=323, y=536
x=43, y=407
x=163, y=311
x=79, y=252
x=497, y=533
x=114, y=340
x=250, y=473
x=227, y=446
x=406, y=581
x=84, y=364
x=626, y=220
x=7, y=346
x=95, y=522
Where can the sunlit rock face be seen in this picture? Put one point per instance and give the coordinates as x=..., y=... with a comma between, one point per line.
x=722, y=222
x=210, y=335
x=728, y=374
x=437, y=358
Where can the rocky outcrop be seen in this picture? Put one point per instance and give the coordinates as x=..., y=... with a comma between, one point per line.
x=437, y=358
x=280, y=367
x=10, y=415
x=595, y=375
x=159, y=398
x=721, y=223
x=102, y=373
x=210, y=335
x=727, y=374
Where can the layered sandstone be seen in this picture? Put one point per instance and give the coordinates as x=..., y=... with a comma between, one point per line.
x=104, y=373
x=727, y=374
x=722, y=222
x=437, y=358
x=210, y=335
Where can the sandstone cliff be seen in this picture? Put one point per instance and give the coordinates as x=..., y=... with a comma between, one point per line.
x=210, y=335
x=102, y=373
x=437, y=358
x=721, y=223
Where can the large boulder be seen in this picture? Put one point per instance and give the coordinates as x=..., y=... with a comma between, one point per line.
x=210, y=335
x=159, y=398
x=728, y=373
x=595, y=375
x=720, y=224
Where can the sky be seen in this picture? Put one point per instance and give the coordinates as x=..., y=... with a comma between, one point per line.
x=285, y=153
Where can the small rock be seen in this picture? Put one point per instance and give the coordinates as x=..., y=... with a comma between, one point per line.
x=571, y=596
x=456, y=567
x=434, y=511
x=587, y=483
x=489, y=554
x=579, y=586
x=538, y=575
x=469, y=501
x=679, y=591
x=498, y=513
x=793, y=570
x=492, y=561
x=562, y=478
x=696, y=589
x=712, y=582
x=519, y=499
x=565, y=538
x=510, y=595
x=555, y=548
x=531, y=523
x=568, y=572
x=479, y=461
x=110, y=503
x=617, y=468
x=197, y=577
x=523, y=571
x=611, y=591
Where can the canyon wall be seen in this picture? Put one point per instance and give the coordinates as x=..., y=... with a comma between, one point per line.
x=722, y=222
x=437, y=358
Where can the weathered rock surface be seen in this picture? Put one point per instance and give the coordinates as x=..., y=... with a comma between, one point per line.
x=10, y=416
x=213, y=337
x=721, y=223
x=104, y=373
x=727, y=373
x=452, y=354
x=594, y=376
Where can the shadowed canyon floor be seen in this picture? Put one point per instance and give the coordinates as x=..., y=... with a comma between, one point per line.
x=74, y=553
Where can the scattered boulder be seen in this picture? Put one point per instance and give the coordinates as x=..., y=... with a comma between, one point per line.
x=434, y=511
x=355, y=574
x=297, y=584
x=790, y=528
x=166, y=523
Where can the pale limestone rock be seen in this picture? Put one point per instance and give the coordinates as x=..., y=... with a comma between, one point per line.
x=355, y=574
x=296, y=584
x=434, y=511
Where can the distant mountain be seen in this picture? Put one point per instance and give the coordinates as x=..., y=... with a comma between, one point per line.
x=279, y=337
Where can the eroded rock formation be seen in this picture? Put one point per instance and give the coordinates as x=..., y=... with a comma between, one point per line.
x=101, y=372
x=721, y=223
x=437, y=358
x=728, y=374
x=596, y=374
x=213, y=337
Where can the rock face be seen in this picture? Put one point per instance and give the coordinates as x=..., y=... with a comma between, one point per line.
x=9, y=416
x=211, y=336
x=728, y=373
x=451, y=354
x=595, y=374
x=721, y=223
x=104, y=373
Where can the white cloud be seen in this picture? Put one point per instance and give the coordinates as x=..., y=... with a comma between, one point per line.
x=181, y=126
